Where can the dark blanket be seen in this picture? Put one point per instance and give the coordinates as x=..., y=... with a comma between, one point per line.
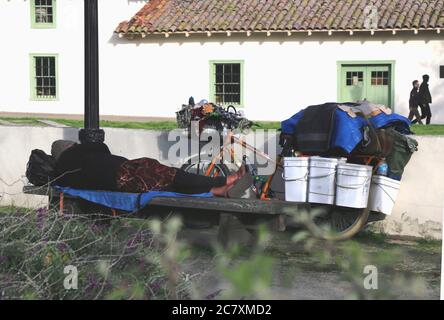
x=88, y=166
x=313, y=132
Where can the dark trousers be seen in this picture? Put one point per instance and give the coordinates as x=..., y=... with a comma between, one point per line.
x=414, y=113
x=189, y=183
x=426, y=112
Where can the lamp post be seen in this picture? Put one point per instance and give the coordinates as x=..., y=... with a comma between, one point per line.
x=92, y=131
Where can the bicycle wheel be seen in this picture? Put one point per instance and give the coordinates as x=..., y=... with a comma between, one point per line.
x=339, y=223
x=200, y=168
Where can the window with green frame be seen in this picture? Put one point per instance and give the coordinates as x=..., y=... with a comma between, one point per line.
x=43, y=13
x=44, y=82
x=226, y=82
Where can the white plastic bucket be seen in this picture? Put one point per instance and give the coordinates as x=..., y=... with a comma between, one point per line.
x=353, y=185
x=383, y=194
x=296, y=179
x=321, y=181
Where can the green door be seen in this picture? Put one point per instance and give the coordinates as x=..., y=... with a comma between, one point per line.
x=353, y=84
x=378, y=84
x=365, y=82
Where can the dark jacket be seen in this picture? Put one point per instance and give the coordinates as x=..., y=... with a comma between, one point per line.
x=88, y=166
x=424, y=94
x=414, y=98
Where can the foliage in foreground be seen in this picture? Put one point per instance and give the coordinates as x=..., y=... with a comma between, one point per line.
x=125, y=258
x=115, y=258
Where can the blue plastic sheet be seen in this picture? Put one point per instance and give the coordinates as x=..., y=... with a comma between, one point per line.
x=289, y=125
x=129, y=202
x=348, y=131
x=401, y=124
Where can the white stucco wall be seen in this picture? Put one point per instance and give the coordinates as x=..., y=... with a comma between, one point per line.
x=154, y=76
x=280, y=77
x=418, y=211
x=19, y=40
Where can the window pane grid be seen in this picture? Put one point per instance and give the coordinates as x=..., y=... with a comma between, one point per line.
x=228, y=83
x=44, y=11
x=354, y=77
x=45, y=78
x=380, y=78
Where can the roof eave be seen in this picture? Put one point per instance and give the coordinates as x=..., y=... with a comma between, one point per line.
x=289, y=31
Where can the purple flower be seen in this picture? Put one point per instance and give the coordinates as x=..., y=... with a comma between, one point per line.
x=62, y=246
x=41, y=215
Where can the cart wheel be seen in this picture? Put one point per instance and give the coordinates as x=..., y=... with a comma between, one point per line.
x=339, y=223
x=220, y=170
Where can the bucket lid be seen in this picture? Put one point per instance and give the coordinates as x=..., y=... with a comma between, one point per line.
x=303, y=163
x=296, y=159
x=321, y=159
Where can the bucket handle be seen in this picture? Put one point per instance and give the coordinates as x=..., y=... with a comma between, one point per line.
x=393, y=200
x=355, y=186
x=298, y=179
x=324, y=176
x=321, y=194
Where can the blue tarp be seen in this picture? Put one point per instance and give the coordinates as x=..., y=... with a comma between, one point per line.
x=129, y=202
x=402, y=124
x=348, y=131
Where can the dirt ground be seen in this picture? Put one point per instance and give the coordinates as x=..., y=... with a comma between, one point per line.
x=407, y=269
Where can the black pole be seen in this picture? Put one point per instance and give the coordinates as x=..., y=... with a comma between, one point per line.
x=92, y=131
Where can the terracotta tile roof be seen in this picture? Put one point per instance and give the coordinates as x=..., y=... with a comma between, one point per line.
x=178, y=16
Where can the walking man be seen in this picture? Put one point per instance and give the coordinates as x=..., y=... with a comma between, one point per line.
x=425, y=99
x=414, y=104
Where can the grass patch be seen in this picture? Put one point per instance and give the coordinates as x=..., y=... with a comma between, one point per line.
x=152, y=125
x=430, y=245
x=23, y=121
x=371, y=237
x=434, y=130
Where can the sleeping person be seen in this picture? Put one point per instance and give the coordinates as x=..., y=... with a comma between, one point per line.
x=91, y=166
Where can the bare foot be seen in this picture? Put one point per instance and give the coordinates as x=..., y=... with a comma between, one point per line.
x=233, y=178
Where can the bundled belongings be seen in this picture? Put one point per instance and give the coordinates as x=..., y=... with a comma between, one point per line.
x=402, y=151
x=40, y=170
x=210, y=115
x=344, y=129
x=354, y=155
x=314, y=130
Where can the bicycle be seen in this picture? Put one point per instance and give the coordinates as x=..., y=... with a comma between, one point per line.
x=344, y=222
